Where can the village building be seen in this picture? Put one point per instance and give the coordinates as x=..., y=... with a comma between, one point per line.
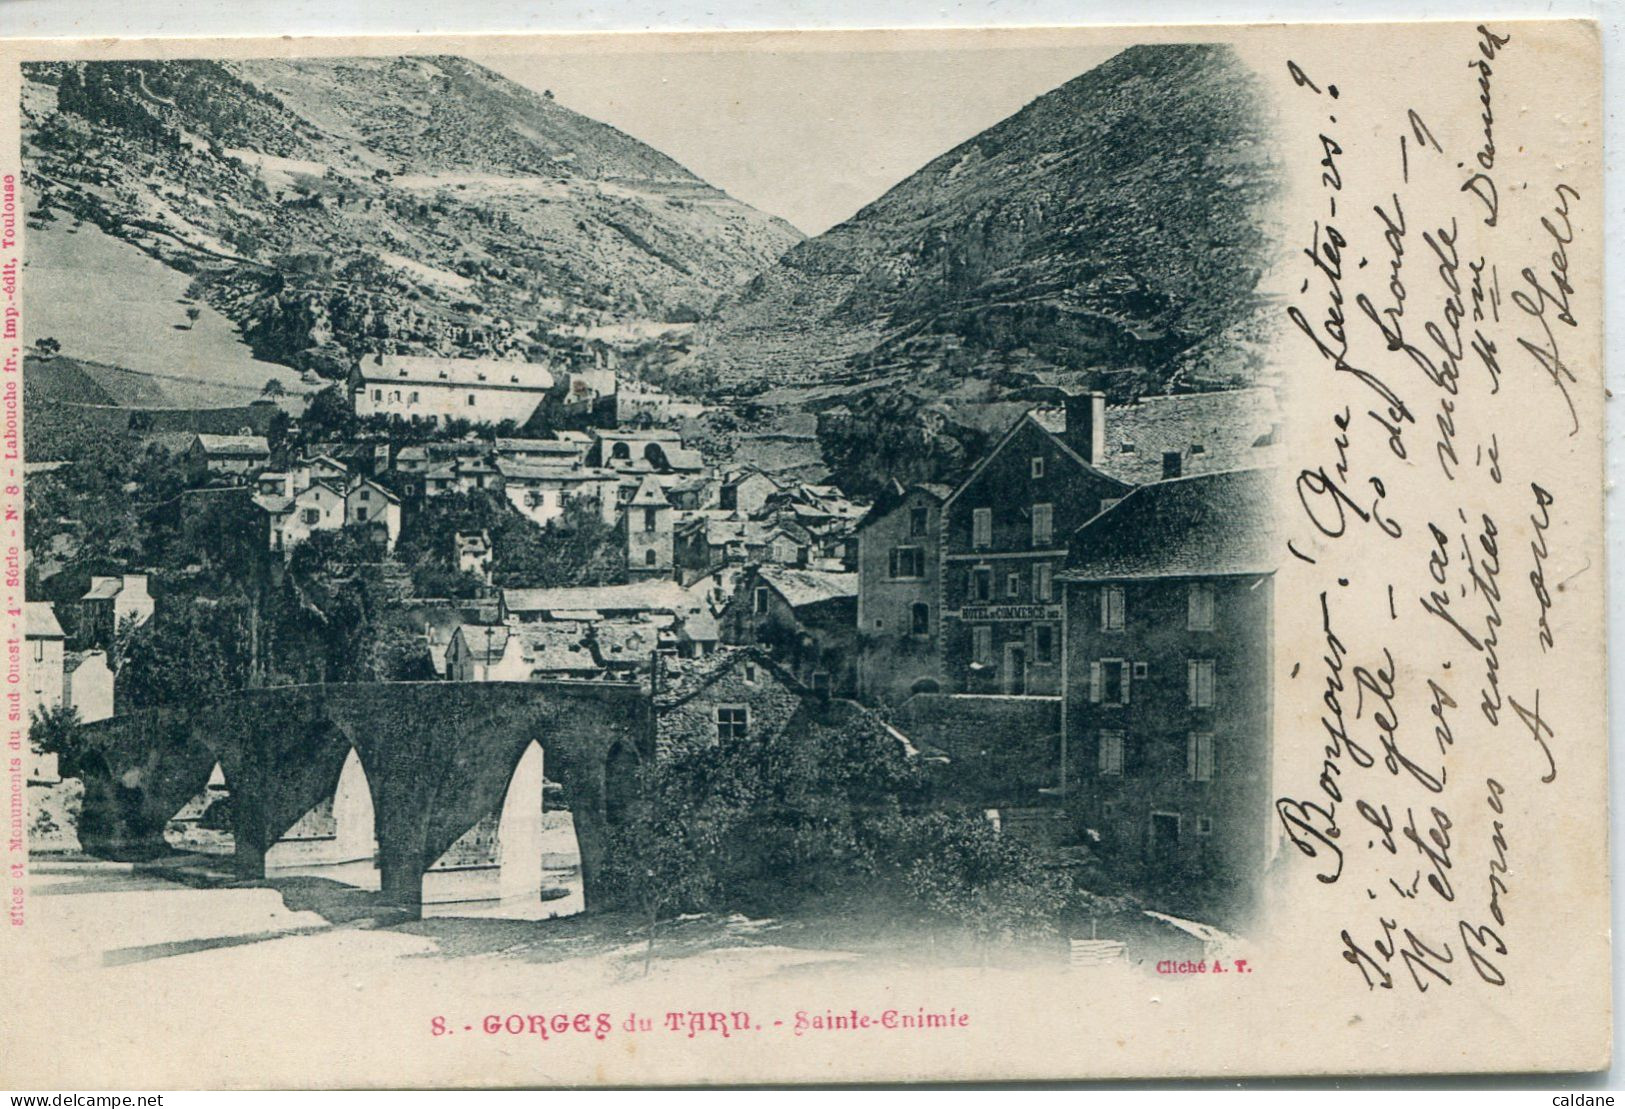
x=481, y=390
x=635, y=600
x=806, y=618
x=541, y=490
x=1167, y=710
x=1005, y=536
x=733, y=695
x=745, y=490
x=239, y=455
x=534, y=652
x=110, y=604
x=87, y=685
x=646, y=532
x=374, y=509
x=899, y=578
x=473, y=553
x=292, y=520
x=46, y=644
x=556, y=451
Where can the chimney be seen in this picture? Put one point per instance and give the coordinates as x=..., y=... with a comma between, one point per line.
x=1086, y=425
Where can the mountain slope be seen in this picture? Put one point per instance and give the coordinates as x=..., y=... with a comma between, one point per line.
x=1109, y=227
x=338, y=207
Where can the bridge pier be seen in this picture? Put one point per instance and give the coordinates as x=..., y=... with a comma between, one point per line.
x=400, y=882
x=249, y=860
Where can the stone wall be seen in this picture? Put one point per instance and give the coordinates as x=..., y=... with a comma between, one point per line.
x=1001, y=749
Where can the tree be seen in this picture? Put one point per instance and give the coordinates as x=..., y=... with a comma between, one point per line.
x=55, y=730
x=192, y=315
x=274, y=388
x=47, y=346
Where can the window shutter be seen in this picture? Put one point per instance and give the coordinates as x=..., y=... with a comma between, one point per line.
x=1105, y=608
x=1190, y=682
x=891, y=563
x=1126, y=667
x=1095, y=682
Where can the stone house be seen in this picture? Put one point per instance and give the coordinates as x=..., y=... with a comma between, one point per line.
x=899, y=614
x=227, y=454
x=806, y=618
x=1004, y=537
x=109, y=604
x=1167, y=713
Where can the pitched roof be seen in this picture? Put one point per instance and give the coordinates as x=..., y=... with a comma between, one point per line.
x=1226, y=430
x=539, y=446
x=655, y=595
x=235, y=446
x=557, y=648
x=1207, y=525
x=809, y=587
x=490, y=373
x=625, y=640
x=39, y=620
x=649, y=494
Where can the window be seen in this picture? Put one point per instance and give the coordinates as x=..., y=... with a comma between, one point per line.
x=1108, y=682
x=981, y=584
x=377, y=394
x=761, y=599
x=1199, y=606
x=649, y=557
x=907, y=562
x=1043, y=582
x=471, y=400
x=361, y=515
x=733, y=723
x=1038, y=467
x=1043, y=524
x=414, y=396
x=981, y=637
x=648, y=519
x=981, y=532
x=1111, y=608
x=750, y=673
x=1171, y=464
x=1199, y=678
x=366, y=494
x=1204, y=825
x=1111, y=754
x=918, y=519
x=1199, y=757
x=1044, y=644
x=312, y=516
x=920, y=619
x=1012, y=584
x=1141, y=670
x=395, y=394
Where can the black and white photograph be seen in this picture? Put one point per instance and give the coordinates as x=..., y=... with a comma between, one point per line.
x=524, y=538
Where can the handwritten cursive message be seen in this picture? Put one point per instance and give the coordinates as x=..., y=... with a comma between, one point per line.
x=1437, y=315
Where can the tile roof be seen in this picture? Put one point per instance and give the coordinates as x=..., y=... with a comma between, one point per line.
x=809, y=587
x=235, y=446
x=1225, y=430
x=655, y=595
x=39, y=620
x=480, y=372
x=650, y=494
x=1209, y=524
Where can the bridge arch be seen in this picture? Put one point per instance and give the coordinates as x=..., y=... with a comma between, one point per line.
x=437, y=756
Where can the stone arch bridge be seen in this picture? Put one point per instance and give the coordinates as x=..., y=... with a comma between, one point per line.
x=438, y=757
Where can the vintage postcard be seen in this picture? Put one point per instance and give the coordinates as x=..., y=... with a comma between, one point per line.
x=804, y=557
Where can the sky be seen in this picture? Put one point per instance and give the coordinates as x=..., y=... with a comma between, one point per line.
x=807, y=136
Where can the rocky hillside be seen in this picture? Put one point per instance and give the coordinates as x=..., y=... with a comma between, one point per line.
x=338, y=207
x=1114, y=229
